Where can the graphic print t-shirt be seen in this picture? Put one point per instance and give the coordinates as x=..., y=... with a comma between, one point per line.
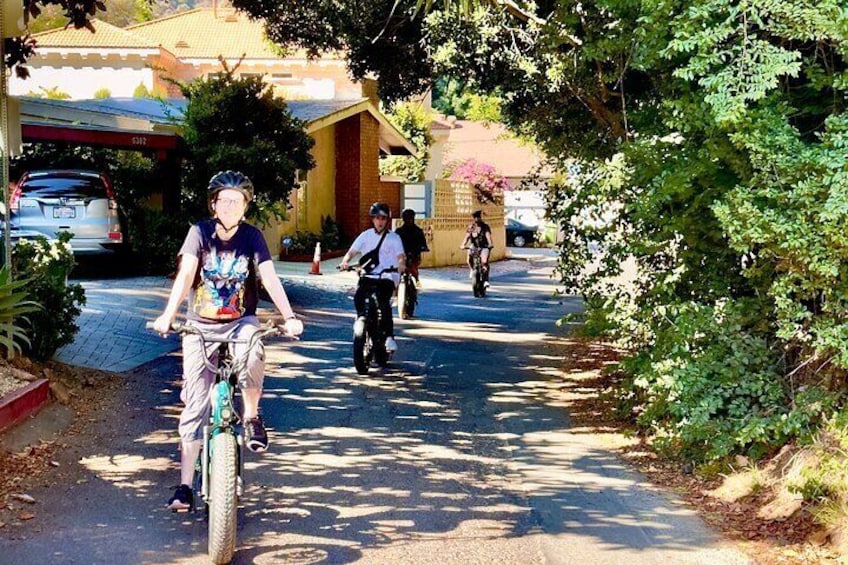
x=226, y=284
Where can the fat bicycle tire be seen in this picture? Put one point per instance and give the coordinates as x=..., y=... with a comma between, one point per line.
x=223, y=504
x=411, y=299
x=478, y=284
x=401, y=301
x=406, y=299
x=361, y=353
x=381, y=356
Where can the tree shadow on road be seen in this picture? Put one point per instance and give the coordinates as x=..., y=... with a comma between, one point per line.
x=464, y=440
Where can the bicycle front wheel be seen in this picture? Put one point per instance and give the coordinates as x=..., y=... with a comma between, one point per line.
x=411, y=298
x=403, y=299
x=478, y=286
x=223, y=504
x=362, y=352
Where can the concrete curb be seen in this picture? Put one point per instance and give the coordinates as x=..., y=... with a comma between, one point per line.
x=23, y=403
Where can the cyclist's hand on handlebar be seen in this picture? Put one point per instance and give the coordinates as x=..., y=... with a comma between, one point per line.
x=293, y=327
x=162, y=325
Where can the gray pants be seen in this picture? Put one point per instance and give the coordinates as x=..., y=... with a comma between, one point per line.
x=198, y=379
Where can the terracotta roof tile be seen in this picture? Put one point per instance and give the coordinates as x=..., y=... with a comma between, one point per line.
x=106, y=36
x=200, y=33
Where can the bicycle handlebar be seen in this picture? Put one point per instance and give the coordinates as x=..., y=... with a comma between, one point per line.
x=269, y=328
x=359, y=270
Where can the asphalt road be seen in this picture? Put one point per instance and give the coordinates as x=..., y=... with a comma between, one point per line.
x=460, y=452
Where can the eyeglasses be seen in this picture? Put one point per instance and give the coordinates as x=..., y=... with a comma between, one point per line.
x=229, y=201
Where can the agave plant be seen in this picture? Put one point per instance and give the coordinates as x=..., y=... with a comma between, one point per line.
x=13, y=306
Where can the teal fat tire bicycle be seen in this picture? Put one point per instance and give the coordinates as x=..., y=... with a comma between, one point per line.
x=218, y=477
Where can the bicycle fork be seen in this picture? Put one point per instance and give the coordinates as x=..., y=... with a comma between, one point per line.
x=223, y=415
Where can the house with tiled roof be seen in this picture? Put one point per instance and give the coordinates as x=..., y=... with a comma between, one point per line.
x=456, y=141
x=349, y=137
x=180, y=47
x=522, y=164
x=79, y=62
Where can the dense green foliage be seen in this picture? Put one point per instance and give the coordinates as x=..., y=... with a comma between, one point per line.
x=46, y=265
x=413, y=121
x=452, y=98
x=379, y=37
x=14, y=308
x=702, y=145
x=236, y=123
x=303, y=243
x=726, y=191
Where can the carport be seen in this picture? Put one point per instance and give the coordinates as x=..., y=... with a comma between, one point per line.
x=97, y=124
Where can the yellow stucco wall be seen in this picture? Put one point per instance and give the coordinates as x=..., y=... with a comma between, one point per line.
x=321, y=191
x=305, y=211
x=445, y=231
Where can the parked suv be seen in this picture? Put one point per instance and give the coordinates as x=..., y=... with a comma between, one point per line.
x=77, y=201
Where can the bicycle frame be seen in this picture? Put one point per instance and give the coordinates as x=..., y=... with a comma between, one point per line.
x=477, y=284
x=372, y=315
x=221, y=486
x=223, y=418
x=368, y=339
x=407, y=296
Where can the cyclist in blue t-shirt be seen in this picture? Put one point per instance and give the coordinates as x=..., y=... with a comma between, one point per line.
x=221, y=263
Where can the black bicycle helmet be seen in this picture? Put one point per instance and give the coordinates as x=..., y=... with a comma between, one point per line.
x=380, y=209
x=233, y=180
x=408, y=214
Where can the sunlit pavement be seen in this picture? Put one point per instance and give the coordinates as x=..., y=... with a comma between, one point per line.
x=112, y=334
x=459, y=452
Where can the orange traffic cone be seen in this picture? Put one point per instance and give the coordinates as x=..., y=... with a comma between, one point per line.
x=316, y=260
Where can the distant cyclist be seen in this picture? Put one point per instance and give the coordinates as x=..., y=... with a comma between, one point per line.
x=382, y=249
x=479, y=236
x=221, y=263
x=414, y=242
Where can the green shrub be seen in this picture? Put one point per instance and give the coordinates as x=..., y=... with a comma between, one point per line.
x=141, y=91
x=13, y=306
x=46, y=265
x=303, y=243
x=156, y=238
x=331, y=236
x=712, y=386
x=102, y=93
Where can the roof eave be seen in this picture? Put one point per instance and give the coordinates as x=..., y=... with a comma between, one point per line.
x=392, y=141
x=123, y=51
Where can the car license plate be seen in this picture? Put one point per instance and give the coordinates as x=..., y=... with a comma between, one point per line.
x=64, y=212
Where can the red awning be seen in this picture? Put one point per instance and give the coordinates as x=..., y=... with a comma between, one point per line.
x=139, y=141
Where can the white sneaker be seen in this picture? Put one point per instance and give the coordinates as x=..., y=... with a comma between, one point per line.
x=391, y=345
